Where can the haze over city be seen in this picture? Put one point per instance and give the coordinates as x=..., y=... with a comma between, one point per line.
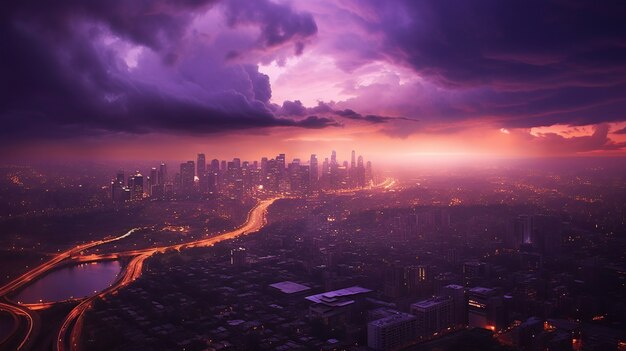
x=313, y=175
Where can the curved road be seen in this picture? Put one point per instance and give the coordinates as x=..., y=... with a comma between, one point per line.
x=69, y=333
x=73, y=322
x=68, y=337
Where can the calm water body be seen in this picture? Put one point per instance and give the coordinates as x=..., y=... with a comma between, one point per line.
x=71, y=282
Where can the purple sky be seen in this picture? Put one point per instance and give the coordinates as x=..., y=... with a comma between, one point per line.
x=414, y=78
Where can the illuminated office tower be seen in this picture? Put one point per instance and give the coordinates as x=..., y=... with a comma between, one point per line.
x=135, y=183
x=484, y=307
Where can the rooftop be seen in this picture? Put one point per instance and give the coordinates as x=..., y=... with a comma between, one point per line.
x=433, y=301
x=399, y=317
x=481, y=290
x=289, y=287
x=454, y=286
x=353, y=290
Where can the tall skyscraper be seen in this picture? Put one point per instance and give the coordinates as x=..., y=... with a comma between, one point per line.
x=280, y=160
x=360, y=172
x=201, y=166
x=119, y=192
x=136, y=186
x=201, y=173
x=162, y=174
x=368, y=173
x=187, y=175
x=313, y=171
x=154, y=178
x=353, y=160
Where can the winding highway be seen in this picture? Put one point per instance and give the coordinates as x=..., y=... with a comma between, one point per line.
x=70, y=329
x=68, y=338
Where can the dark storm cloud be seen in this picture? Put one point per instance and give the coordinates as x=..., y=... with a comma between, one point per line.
x=279, y=23
x=292, y=108
x=620, y=131
x=554, y=61
x=350, y=114
x=58, y=80
x=153, y=23
x=513, y=44
x=295, y=108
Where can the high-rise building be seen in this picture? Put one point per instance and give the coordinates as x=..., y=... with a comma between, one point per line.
x=547, y=234
x=360, y=172
x=280, y=163
x=353, y=160
x=162, y=174
x=484, y=307
x=201, y=165
x=433, y=315
x=187, y=170
x=369, y=177
x=215, y=164
x=119, y=177
x=459, y=304
x=313, y=171
x=392, y=332
x=201, y=173
x=119, y=193
x=417, y=280
x=117, y=188
x=135, y=183
x=153, y=181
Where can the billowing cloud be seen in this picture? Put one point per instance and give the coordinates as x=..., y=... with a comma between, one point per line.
x=530, y=63
x=279, y=23
x=88, y=68
x=375, y=69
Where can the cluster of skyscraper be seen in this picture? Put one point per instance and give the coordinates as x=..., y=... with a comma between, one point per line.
x=239, y=179
x=134, y=188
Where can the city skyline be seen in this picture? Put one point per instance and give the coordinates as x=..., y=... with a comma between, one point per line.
x=240, y=179
x=277, y=175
